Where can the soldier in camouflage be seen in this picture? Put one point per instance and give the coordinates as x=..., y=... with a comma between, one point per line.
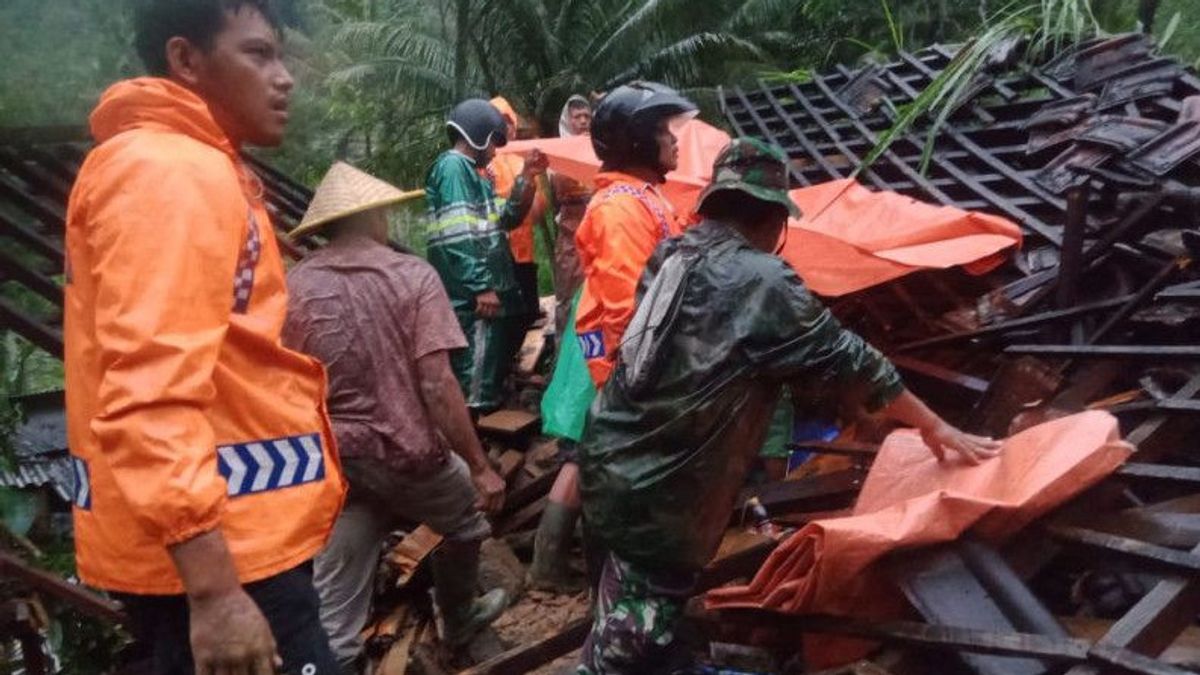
x=721, y=327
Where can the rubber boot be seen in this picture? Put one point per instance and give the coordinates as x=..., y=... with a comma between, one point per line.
x=455, y=578
x=549, y=570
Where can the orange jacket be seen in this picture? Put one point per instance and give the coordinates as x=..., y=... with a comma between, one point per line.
x=625, y=221
x=184, y=411
x=504, y=171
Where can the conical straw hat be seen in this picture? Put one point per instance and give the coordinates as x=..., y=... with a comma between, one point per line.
x=344, y=191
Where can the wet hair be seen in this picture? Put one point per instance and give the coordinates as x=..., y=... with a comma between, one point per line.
x=198, y=21
x=735, y=206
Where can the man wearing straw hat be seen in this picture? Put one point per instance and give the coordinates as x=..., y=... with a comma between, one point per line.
x=383, y=326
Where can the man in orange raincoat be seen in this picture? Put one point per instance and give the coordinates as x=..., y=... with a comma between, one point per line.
x=505, y=172
x=206, y=477
x=626, y=219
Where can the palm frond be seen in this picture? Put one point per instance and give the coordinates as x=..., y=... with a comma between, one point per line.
x=680, y=62
x=1047, y=25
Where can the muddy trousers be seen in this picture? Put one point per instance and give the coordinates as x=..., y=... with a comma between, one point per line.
x=637, y=614
x=483, y=366
x=380, y=501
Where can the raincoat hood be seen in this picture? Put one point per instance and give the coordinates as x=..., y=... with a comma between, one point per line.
x=506, y=110
x=564, y=118
x=156, y=103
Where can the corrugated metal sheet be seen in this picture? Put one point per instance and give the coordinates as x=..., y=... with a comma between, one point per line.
x=55, y=472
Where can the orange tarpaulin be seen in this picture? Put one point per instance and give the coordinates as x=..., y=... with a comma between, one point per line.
x=850, y=238
x=911, y=500
x=699, y=144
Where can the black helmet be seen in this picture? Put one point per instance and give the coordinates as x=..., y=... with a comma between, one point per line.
x=479, y=122
x=624, y=124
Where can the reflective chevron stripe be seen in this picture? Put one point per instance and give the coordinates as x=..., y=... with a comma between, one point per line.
x=82, y=488
x=260, y=466
x=592, y=344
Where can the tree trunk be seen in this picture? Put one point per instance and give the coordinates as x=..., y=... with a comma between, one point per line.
x=1146, y=11
x=462, y=42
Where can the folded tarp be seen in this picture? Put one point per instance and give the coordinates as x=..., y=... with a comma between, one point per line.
x=911, y=500
x=849, y=239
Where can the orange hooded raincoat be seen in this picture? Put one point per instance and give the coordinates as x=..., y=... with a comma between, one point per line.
x=624, y=223
x=504, y=171
x=184, y=411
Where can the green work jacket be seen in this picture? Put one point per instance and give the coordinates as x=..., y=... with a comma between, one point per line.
x=467, y=235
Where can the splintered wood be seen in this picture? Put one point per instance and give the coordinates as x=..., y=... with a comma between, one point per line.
x=406, y=556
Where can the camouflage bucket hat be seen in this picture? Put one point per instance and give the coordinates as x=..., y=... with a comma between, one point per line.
x=754, y=167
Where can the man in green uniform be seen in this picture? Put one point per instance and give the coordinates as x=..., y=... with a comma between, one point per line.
x=468, y=246
x=722, y=325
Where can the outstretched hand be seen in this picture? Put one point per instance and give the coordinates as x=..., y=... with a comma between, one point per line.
x=536, y=164
x=943, y=438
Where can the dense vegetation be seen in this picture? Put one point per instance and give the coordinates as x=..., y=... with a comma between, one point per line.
x=376, y=76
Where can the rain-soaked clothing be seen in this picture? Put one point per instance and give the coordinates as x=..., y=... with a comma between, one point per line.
x=468, y=246
x=505, y=174
x=625, y=221
x=185, y=413
x=721, y=327
x=635, y=616
x=570, y=199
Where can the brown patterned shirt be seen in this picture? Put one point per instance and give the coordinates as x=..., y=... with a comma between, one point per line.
x=369, y=313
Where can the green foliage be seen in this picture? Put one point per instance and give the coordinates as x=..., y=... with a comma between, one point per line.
x=58, y=57
x=1039, y=29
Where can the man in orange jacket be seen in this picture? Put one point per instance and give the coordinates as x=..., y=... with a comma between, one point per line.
x=626, y=219
x=504, y=171
x=206, y=473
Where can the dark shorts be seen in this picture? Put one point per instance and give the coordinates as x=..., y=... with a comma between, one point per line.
x=288, y=600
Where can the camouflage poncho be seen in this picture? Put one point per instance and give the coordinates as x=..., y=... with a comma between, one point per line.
x=720, y=328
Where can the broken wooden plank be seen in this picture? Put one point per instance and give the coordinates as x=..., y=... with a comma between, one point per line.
x=1140, y=551
x=1158, y=352
x=509, y=423
x=525, y=658
x=78, y=597
x=938, y=583
x=531, y=351
x=1184, y=651
x=911, y=633
x=510, y=463
x=411, y=551
x=815, y=493
x=740, y=556
x=1160, y=472
x=1175, y=530
x=785, y=628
